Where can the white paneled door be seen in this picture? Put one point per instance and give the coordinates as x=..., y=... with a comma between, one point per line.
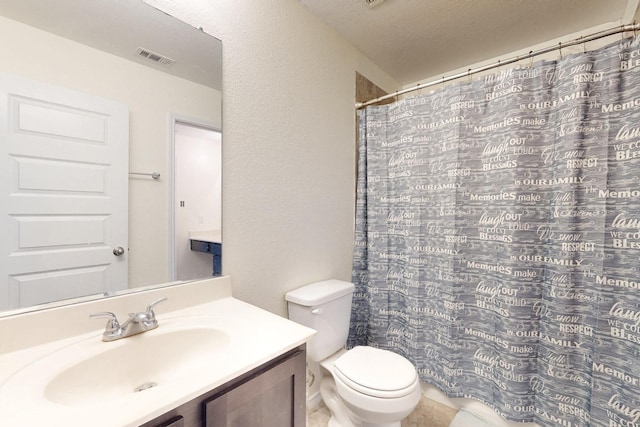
x=63, y=193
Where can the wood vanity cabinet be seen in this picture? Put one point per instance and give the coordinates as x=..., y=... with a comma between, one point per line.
x=173, y=422
x=213, y=248
x=273, y=395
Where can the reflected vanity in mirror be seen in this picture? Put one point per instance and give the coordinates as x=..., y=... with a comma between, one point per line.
x=111, y=132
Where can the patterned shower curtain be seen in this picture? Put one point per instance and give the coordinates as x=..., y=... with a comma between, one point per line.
x=498, y=238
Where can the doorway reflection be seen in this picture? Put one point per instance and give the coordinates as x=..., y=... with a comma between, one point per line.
x=197, y=201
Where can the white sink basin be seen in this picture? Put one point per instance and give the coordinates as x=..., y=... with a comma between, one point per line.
x=138, y=364
x=90, y=372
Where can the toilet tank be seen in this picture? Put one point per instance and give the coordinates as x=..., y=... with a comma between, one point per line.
x=326, y=307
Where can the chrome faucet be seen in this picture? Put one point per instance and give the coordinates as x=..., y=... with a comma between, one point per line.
x=136, y=323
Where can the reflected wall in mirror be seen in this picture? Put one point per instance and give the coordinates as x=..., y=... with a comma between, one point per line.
x=164, y=74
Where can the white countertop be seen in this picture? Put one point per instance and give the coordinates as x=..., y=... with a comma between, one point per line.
x=213, y=236
x=257, y=335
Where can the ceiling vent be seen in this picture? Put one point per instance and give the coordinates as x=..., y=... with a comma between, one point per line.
x=154, y=57
x=372, y=3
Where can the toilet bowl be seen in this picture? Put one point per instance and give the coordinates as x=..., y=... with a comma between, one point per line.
x=364, y=386
x=378, y=387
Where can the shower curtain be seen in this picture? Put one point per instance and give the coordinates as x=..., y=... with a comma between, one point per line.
x=497, y=238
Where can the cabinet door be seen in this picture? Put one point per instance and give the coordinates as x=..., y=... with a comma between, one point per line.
x=275, y=398
x=173, y=422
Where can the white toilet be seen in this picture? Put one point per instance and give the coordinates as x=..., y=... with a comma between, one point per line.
x=365, y=386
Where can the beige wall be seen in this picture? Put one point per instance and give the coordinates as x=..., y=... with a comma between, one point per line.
x=522, y=53
x=42, y=56
x=288, y=144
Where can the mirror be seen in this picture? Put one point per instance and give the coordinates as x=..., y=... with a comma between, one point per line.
x=167, y=75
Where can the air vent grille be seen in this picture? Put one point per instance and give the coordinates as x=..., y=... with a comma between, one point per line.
x=372, y=3
x=154, y=57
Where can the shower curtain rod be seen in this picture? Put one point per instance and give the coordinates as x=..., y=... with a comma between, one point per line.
x=531, y=54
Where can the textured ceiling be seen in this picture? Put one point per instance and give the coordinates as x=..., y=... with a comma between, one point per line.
x=416, y=39
x=120, y=27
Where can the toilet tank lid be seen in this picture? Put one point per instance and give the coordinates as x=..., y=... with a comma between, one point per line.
x=319, y=292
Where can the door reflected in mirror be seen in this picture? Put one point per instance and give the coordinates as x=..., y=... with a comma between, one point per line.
x=161, y=70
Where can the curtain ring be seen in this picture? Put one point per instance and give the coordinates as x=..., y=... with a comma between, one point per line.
x=584, y=49
x=560, y=49
x=530, y=58
x=422, y=87
x=469, y=75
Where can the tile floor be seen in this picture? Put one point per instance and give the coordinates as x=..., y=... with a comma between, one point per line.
x=427, y=414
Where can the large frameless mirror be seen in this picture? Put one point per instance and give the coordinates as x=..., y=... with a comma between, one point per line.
x=111, y=138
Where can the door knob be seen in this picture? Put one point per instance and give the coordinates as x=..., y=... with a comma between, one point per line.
x=118, y=251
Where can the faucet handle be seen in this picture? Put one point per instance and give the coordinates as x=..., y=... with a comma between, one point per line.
x=158, y=301
x=150, y=313
x=112, y=324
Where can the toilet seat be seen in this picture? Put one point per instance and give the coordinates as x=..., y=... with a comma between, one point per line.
x=376, y=372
